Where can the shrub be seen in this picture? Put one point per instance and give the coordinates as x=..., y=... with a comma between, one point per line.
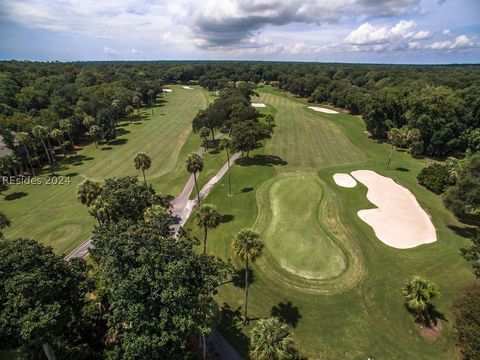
x=467, y=322
x=435, y=177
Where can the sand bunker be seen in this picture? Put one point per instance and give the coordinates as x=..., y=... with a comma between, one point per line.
x=344, y=180
x=399, y=221
x=324, y=110
x=187, y=87
x=259, y=105
x=167, y=90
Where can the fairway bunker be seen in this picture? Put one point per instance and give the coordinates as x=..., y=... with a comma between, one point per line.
x=167, y=90
x=344, y=180
x=398, y=221
x=187, y=87
x=259, y=105
x=323, y=110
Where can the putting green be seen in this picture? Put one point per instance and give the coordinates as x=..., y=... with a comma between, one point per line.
x=305, y=242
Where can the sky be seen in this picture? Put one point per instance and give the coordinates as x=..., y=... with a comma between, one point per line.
x=367, y=31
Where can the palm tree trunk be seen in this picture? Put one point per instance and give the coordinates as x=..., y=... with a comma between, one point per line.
x=390, y=157
x=48, y=156
x=229, y=179
x=213, y=133
x=144, y=178
x=205, y=241
x=29, y=161
x=204, y=347
x=71, y=142
x=246, y=291
x=196, y=187
x=48, y=351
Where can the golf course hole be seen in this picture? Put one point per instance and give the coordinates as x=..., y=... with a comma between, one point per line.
x=304, y=245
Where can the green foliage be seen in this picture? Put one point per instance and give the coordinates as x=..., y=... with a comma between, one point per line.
x=88, y=191
x=418, y=293
x=41, y=297
x=271, y=340
x=472, y=254
x=435, y=177
x=247, y=244
x=467, y=322
x=464, y=197
x=207, y=217
x=154, y=287
x=124, y=198
x=194, y=163
x=4, y=222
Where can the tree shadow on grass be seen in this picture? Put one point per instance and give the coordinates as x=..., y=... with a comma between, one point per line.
x=465, y=232
x=286, y=312
x=231, y=325
x=262, y=160
x=121, y=131
x=238, y=278
x=106, y=148
x=246, y=189
x=72, y=174
x=226, y=218
x=16, y=195
x=118, y=142
x=402, y=169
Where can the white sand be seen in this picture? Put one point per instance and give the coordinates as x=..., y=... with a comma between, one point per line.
x=344, y=180
x=167, y=90
x=259, y=105
x=399, y=221
x=187, y=87
x=324, y=110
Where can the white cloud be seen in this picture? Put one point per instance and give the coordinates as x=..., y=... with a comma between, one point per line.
x=460, y=42
x=107, y=50
x=446, y=32
x=368, y=37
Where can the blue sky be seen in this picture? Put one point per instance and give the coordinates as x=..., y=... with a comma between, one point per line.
x=380, y=31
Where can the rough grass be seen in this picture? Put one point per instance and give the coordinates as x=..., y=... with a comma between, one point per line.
x=52, y=215
x=360, y=313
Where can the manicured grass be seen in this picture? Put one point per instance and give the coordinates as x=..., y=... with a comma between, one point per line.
x=358, y=313
x=52, y=215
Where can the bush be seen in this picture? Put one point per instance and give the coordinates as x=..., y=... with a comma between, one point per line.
x=467, y=322
x=435, y=177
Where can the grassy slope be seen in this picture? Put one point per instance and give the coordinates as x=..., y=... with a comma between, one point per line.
x=51, y=213
x=360, y=314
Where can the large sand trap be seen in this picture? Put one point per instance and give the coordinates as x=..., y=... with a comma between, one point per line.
x=399, y=221
x=167, y=90
x=324, y=110
x=187, y=87
x=259, y=105
x=344, y=180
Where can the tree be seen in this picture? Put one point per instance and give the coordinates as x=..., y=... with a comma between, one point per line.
x=194, y=164
x=418, y=293
x=244, y=137
x=248, y=247
x=143, y=162
x=225, y=144
x=57, y=135
x=95, y=133
x=151, y=93
x=435, y=177
x=88, y=191
x=463, y=198
x=23, y=139
x=271, y=340
x=394, y=137
x=212, y=317
x=472, y=254
x=4, y=223
x=154, y=306
x=467, y=322
x=88, y=121
x=129, y=110
x=41, y=298
x=137, y=102
x=41, y=133
x=67, y=127
x=207, y=217
x=204, y=133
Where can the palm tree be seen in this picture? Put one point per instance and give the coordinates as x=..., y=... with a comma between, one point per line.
x=247, y=246
x=271, y=340
x=57, y=135
x=207, y=217
x=150, y=95
x=211, y=314
x=136, y=102
x=88, y=121
x=22, y=139
x=204, y=133
x=67, y=126
x=95, y=133
x=143, y=162
x=418, y=293
x=225, y=144
x=194, y=164
x=41, y=132
x=88, y=191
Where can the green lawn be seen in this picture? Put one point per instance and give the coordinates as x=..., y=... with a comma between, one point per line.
x=338, y=285
x=52, y=215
